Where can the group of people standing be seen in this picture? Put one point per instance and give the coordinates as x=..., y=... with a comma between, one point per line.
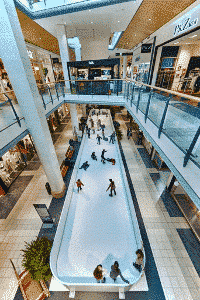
x=100, y=273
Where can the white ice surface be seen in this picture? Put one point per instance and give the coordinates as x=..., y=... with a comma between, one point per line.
x=98, y=229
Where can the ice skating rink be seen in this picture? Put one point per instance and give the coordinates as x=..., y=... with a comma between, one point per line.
x=98, y=229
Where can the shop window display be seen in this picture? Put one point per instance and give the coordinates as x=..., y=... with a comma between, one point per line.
x=13, y=162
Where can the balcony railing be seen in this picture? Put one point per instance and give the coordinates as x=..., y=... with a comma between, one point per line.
x=174, y=114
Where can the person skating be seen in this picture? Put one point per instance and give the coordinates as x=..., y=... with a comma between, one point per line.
x=99, y=273
x=115, y=271
x=112, y=138
x=111, y=187
x=79, y=184
x=84, y=166
x=139, y=264
x=102, y=156
x=98, y=139
x=93, y=156
x=88, y=132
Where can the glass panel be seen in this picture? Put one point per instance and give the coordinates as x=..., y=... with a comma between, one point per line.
x=182, y=123
x=156, y=108
x=7, y=115
x=144, y=100
x=37, y=5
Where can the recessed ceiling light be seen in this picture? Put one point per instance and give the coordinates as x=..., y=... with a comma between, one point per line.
x=91, y=22
x=149, y=19
x=89, y=9
x=191, y=37
x=188, y=43
x=118, y=21
x=176, y=43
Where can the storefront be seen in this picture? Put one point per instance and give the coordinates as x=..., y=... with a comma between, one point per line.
x=55, y=119
x=57, y=69
x=14, y=161
x=142, y=61
x=96, y=70
x=177, y=59
x=5, y=85
x=42, y=63
x=127, y=59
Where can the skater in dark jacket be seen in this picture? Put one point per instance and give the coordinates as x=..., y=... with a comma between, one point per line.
x=93, y=156
x=84, y=166
x=115, y=271
x=98, y=139
x=111, y=187
x=102, y=156
x=88, y=132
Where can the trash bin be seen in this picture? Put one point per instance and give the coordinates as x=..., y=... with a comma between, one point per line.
x=48, y=188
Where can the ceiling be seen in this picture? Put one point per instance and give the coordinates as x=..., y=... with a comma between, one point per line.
x=150, y=16
x=103, y=20
x=36, y=35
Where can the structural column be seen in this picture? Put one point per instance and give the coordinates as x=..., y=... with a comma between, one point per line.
x=78, y=52
x=15, y=58
x=124, y=66
x=63, y=46
x=74, y=119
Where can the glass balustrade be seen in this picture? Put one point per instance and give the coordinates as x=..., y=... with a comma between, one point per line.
x=177, y=116
x=38, y=5
x=9, y=110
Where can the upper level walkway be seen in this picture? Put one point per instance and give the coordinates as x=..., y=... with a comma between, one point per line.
x=169, y=120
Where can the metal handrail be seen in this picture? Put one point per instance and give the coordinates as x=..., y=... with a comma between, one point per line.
x=22, y=118
x=166, y=91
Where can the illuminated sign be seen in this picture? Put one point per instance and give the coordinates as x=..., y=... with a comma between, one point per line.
x=185, y=25
x=30, y=53
x=146, y=48
x=91, y=63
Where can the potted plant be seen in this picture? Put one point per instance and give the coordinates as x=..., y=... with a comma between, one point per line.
x=36, y=258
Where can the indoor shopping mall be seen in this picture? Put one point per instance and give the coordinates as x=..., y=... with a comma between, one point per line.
x=99, y=149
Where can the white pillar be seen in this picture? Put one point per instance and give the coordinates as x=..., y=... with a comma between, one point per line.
x=15, y=58
x=124, y=66
x=78, y=52
x=74, y=119
x=62, y=41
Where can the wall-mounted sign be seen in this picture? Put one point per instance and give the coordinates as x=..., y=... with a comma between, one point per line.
x=55, y=60
x=185, y=25
x=146, y=48
x=137, y=58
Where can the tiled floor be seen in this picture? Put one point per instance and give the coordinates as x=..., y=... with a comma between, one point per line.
x=177, y=276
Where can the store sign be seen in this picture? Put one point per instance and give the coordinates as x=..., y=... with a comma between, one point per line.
x=146, y=48
x=55, y=60
x=30, y=54
x=137, y=58
x=185, y=25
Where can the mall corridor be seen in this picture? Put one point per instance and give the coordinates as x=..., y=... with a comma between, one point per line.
x=171, y=266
